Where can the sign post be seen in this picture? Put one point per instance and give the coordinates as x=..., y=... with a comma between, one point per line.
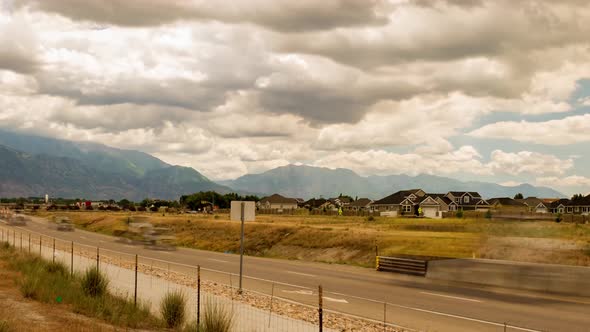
x=242, y=211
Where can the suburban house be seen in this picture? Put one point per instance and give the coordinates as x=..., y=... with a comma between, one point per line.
x=361, y=204
x=508, y=204
x=579, y=206
x=403, y=202
x=445, y=202
x=334, y=204
x=468, y=200
x=314, y=203
x=277, y=202
x=559, y=206
x=414, y=202
x=537, y=205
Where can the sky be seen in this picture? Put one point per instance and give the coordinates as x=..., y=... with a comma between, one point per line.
x=493, y=90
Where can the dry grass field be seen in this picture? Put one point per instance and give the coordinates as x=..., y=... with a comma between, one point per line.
x=353, y=240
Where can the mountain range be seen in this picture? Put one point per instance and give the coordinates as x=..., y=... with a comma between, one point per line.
x=35, y=166
x=307, y=181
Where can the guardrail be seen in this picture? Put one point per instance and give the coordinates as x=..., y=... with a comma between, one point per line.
x=410, y=266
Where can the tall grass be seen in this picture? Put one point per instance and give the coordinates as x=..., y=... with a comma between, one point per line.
x=173, y=309
x=4, y=327
x=86, y=294
x=216, y=318
x=93, y=283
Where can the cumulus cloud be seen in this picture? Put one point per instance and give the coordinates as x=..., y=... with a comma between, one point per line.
x=283, y=15
x=573, y=184
x=569, y=130
x=17, y=46
x=247, y=86
x=414, y=121
x=526, y=162
x=584, y=101
x=466, y=159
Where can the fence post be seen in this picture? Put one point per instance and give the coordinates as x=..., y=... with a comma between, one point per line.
x=135, y=290
x=14, y=238
x=384, y=316
x=320, y=308
x=53, y=258
x=272, y=294
x=198, y=298
x=72, y=260
x=21, y=241
x=40, y=245
x=97, y=259
x=29, y=243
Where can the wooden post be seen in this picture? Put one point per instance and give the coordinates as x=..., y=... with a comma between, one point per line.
x=29, y=243
x=272, y=294
x=384, y=316
x=21, y=241
x=40, y=244
x=53, y=257
x=135, y=293
x=72, y=260
x=320, y=308
x=97, y=259
x=198, y=297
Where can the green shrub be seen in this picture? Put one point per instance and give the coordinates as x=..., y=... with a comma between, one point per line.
x=459, y=214
x=488, y=214
x=370, y=218
x=4, y=327
x=29, y=287
x=559, y=218
x=56, y=268
x=5, y=245
x=216, y=318
x=93, y=283
x=173, y=309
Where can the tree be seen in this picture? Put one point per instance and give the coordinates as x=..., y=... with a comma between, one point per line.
x=577, y=197
x=518, y=196
x=125, y=203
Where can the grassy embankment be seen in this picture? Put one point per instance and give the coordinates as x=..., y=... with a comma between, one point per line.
x=352, y=240
x=52, y=285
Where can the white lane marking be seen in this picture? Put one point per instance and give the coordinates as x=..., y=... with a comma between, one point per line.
x=452, y=297
x=464, y=318
x=310, y=293
x=301, y=274
x=335, y=300
x=217, y=260
x=301, y=292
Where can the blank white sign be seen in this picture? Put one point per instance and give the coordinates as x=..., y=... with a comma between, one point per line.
x=249, y=211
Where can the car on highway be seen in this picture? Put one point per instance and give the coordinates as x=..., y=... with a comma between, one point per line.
x=17, y=220
x=64, y=224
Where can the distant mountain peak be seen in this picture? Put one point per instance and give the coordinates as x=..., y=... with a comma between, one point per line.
x=310, y=181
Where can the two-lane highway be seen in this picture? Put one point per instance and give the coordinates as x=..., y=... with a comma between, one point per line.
x=413, y=302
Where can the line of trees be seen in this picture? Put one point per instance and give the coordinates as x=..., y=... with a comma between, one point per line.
x=194, y=201
x=206, y=199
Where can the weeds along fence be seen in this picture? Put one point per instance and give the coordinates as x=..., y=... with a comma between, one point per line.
x=262, y=305
x=520, y=216
x=318, y=212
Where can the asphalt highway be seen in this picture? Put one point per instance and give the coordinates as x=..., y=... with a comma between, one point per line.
x=412, y=302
